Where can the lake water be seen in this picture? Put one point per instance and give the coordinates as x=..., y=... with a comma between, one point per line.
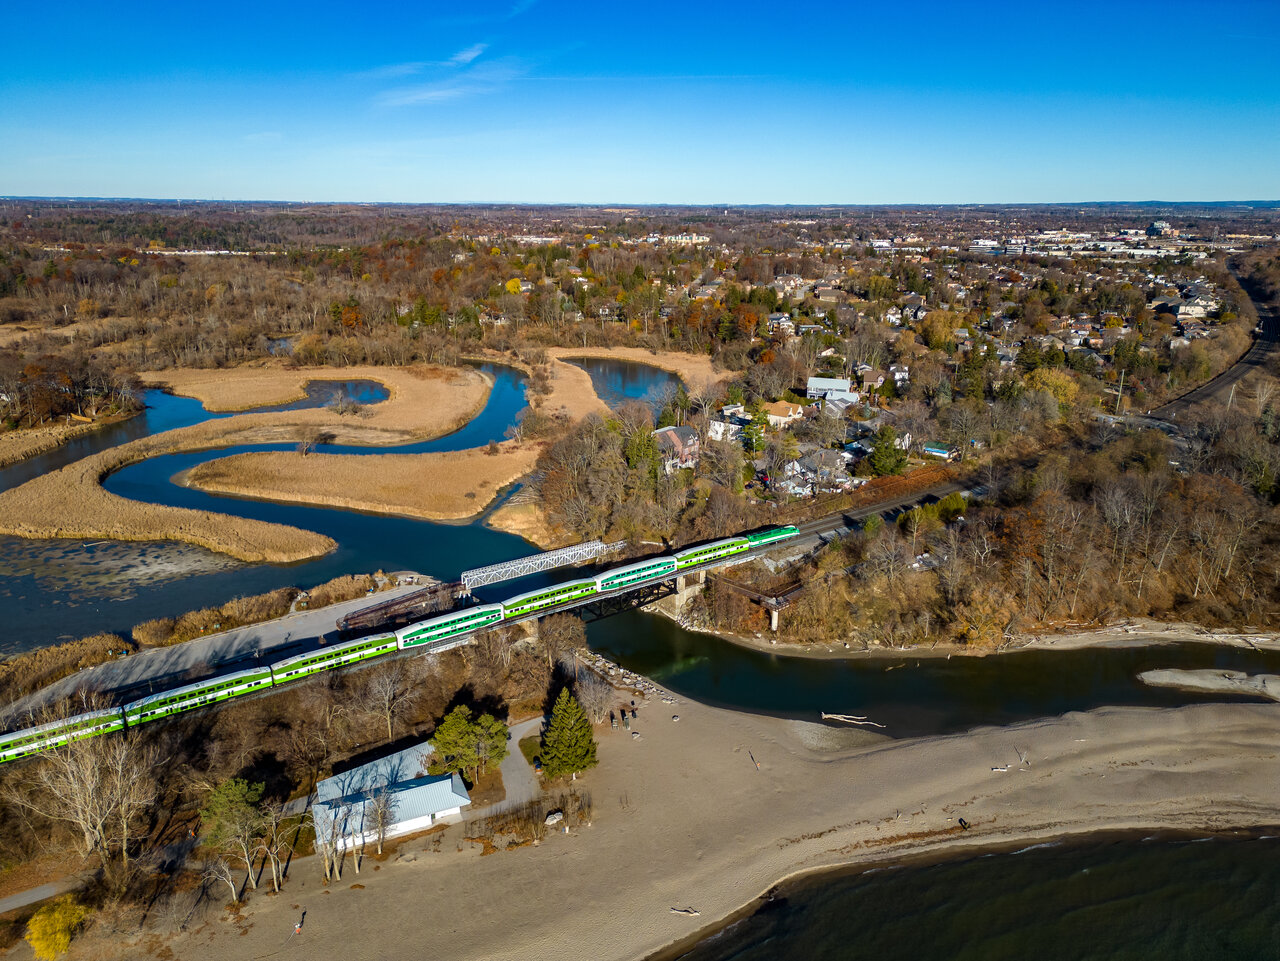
x=618, y=381
x=1120, y=899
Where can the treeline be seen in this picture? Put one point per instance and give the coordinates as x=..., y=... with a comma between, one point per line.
x=1111, y=527
x=37, y=388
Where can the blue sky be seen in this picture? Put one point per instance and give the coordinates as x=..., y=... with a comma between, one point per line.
x=662, y=102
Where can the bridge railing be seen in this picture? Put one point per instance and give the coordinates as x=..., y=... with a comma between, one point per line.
x=535, y=563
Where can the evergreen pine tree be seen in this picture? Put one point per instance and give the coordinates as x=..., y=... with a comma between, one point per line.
x=568, y=746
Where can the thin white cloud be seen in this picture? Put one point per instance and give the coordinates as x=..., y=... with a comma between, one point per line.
x=393, y=70
x=464, y=57
x=474, y=81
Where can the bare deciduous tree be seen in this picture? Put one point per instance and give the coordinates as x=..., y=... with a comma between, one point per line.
x=382, y=813
x=388, y=691
x=220, y=869
x=595, y=694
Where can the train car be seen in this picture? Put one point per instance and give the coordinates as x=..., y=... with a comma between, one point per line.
x=772, y=535
x=192, y=696
x=546, y=597
x=43, y=737
x=326, y=659
x=637, y=573
x=710, y=552
x=449, y=625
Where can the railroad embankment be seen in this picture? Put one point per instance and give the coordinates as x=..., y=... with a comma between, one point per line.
x=443, y=486
x=424, y=402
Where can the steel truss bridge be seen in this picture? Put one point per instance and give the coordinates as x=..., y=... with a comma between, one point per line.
x=536, y=563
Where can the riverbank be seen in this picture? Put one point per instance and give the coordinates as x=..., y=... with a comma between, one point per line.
x=424, y=402
x=708, y=811
x=1133, y=632
x=450, y=485
x=18, y=445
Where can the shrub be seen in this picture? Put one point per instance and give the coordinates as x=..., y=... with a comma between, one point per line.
x=50, y=929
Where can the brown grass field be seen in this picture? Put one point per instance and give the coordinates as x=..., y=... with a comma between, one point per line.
x=443, y=486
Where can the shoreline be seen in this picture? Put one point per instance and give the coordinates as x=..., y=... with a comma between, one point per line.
x=25, y=443
x=1133, y=632
x=783, y=888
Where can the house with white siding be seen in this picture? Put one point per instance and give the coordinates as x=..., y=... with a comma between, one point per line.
x=417, y=800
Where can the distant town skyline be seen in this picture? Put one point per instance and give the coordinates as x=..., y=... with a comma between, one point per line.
x=546, y=102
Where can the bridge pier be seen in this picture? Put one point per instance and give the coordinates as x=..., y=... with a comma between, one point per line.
x=774, y=615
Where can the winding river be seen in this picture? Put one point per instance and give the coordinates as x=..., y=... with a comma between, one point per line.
x=58, y=589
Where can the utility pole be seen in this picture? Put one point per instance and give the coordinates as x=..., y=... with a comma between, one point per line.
x=1121, y=394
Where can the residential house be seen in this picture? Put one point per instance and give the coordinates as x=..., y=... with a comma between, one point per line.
x=901, y=374
x=831, y=388
x=781, y=413
x=346, y=801
x=680, y=447
x=728, y=424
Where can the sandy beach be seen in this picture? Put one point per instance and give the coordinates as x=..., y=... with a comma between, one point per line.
x=710, y=811
x=71, y=502
x=444, y=486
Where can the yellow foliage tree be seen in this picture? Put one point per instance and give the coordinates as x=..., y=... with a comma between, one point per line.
x=50, y=929
x=513, y=285
x=1056, y=382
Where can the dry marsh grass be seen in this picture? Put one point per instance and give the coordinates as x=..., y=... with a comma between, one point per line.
x=440, y=486
x=24, y=673
x=165, y=631
x=71, y=502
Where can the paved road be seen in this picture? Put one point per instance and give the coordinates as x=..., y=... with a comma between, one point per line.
x=517, y=776
x=1259, y=356
x=231, y=650
x=35, y=895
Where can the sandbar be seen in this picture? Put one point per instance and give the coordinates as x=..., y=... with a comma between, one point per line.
x=710, y=811
x=441, y=486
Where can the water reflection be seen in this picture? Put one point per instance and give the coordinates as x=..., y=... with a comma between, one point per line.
x=617, y=381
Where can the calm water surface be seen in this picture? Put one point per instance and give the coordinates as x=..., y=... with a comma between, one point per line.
x=617, y=381
x=1116, y=900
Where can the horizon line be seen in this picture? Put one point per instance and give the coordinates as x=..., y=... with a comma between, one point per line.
x=1250, y=204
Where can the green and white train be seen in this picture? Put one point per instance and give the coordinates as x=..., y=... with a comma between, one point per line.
x=434, y=634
